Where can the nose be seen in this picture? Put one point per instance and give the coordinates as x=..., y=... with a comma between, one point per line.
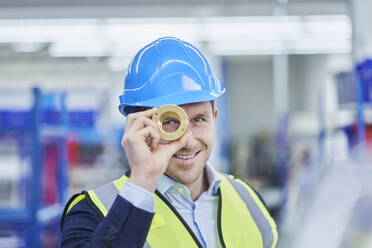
x=191, y=141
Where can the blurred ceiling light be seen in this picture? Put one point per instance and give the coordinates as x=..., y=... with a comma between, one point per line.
x=78, y=49
x=222, y=35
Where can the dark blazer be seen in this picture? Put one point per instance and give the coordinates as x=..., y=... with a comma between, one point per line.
x=124, y=226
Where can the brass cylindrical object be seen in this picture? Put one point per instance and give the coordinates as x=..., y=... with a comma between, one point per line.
x=172, y=122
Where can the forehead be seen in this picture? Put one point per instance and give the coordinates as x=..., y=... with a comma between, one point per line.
x=199, y=107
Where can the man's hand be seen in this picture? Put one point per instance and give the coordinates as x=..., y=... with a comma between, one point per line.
x=147, y=155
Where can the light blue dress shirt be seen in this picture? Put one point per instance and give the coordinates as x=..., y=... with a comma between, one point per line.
x=200, y=215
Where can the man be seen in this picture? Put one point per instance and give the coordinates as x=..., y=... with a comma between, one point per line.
x=171, y=197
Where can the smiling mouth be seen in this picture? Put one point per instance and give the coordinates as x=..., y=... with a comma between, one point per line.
x=185, y=157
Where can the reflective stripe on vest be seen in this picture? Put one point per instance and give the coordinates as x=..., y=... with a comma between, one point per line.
x=262, y=218
x=243, y=221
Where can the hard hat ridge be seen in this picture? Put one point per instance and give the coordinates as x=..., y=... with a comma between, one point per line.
x=168, y=71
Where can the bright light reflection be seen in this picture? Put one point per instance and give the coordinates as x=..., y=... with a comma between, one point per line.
x=221, y=35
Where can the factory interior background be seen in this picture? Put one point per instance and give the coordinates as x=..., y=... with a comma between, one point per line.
x=295, y=121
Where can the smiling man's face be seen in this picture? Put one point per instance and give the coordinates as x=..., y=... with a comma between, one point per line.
x=187, y=165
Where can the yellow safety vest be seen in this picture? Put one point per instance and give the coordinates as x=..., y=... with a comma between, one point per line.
x=243, y=220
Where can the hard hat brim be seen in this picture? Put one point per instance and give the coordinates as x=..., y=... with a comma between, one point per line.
x=126, y=107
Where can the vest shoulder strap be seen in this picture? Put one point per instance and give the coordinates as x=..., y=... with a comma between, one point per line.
x=75, y=199
x=258, y=210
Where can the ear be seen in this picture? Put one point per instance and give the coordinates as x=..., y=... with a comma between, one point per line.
x=215, y=114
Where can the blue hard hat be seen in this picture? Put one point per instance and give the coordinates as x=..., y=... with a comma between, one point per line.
x=168, y=71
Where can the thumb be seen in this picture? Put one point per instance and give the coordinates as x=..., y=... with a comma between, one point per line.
x=174, y=146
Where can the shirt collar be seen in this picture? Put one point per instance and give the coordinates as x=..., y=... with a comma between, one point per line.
x=214, y=180
x=166, y=183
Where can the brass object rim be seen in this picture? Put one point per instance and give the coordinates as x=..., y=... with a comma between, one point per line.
x=174, y=110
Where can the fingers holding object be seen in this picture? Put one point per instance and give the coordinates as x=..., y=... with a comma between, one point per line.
x=138, y=122
x=134, y=116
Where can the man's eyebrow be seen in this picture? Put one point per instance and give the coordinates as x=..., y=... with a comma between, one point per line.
x=202, y=114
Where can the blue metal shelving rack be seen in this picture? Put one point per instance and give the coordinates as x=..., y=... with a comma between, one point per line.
x=30, y=216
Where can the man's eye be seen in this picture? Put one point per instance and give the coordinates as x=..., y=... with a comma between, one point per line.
x=198, y=119
x=169, y=122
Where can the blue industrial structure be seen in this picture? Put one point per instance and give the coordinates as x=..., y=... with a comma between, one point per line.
x=363, y=77
x=35, y=214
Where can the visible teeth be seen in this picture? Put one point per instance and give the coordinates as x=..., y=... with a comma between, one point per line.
x=184, y=156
